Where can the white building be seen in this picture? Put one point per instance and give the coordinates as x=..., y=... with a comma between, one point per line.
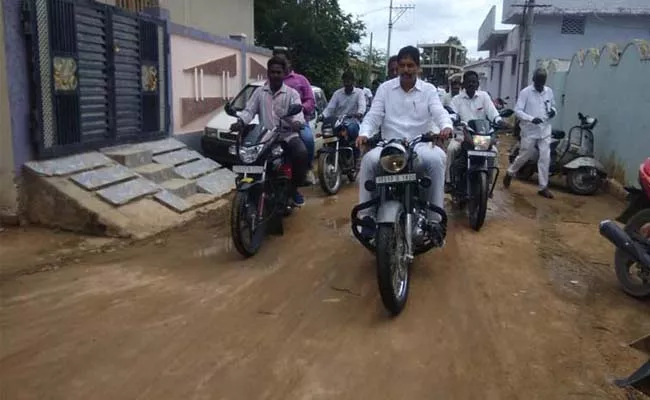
x=558, y=32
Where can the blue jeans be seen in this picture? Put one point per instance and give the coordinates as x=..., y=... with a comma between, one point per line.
x=352, y=126
x=307, y=136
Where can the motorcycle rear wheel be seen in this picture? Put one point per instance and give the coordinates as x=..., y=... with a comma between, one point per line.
x=633, y=286
x=330, y=184
x=575, y=180
x=478, y=198
x=393, y=274
x=247, y=244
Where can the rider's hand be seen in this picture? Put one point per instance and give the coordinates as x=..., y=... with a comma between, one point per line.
x=445, y=133
x=551, y=114
x=645, y=230
x=361, y=141
x=537, y=121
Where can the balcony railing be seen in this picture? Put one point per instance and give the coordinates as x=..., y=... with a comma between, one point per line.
x=137, y=5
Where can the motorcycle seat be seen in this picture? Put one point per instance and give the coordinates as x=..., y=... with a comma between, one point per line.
x=558, y=134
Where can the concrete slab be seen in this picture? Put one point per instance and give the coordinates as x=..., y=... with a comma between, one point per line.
x=132, y=156
x=196, y=168
x=200, y=199
x=164, y=146
x=180, y=187
x=217, y=183
x=100, y=178
x=69, y=165
x=157, y=173
x=177, y=157
x=126, y=192
x=172, y=201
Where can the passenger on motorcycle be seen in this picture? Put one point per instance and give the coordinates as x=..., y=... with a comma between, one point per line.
x=270, y=103
x=348, y=100
x=392, y=67
x=454, y=89
x=406, y=107
x=470, y=104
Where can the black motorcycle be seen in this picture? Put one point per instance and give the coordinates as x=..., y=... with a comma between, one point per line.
x=263, y=183
x=402, y=229
x=336, y=156
x=472, y=177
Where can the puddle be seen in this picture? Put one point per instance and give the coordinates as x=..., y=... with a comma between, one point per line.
x=330, y=201
x=223, y=245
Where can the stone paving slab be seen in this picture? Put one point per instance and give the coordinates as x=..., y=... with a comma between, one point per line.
x=69, y=165
x=100, y=178
x=196, y=168
x=164, y=146
x=172, y=201
x=217, y=183
x=123, y=193
x=131, y=157
x=180, y=187
x=177, y=157
x=156, y=172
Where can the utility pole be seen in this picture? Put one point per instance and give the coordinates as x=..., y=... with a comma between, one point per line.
x=399, y=11
x=527, y=33
x=370, y=58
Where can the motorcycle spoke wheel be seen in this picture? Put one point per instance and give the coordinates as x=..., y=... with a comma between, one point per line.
x=329, y=176
x=393, y=274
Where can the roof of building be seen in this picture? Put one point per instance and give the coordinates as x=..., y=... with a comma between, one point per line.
x=513, y=15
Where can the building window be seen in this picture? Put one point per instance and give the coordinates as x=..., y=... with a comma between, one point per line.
x=573, y=25
x=137, y=5
x=513, y=67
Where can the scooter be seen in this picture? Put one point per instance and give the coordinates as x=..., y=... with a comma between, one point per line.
x=571, y=155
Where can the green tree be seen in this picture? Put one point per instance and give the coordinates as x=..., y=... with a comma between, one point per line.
x=317, y=33
x=454, y=40
x=369, y=60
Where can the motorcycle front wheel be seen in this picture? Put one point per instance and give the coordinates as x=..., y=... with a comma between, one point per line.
x=393, y=275
x=329, y=175
x=634, y=279
x=246, y=236
x=478, y=198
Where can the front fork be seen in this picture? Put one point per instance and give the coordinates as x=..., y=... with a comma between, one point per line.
x=408, y=233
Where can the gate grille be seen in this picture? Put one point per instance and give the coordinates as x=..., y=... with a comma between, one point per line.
x=99, y=75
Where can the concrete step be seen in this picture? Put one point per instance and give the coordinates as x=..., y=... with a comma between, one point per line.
x=197, y=168
x=177, y=157
x=182, y=188
x=130, y=156
x=181, y=205
x=157, y=173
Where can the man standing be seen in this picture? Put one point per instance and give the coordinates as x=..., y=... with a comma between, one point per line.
x=405, y=108
x=347, y=101
x=270, y=103
x=535, y=107
x=301, y=84
x=470, y=104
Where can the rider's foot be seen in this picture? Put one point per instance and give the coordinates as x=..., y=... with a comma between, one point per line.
x=311, y=178
x=366, y=231
x=298, y=199
x=506, y=180
x=546, y=193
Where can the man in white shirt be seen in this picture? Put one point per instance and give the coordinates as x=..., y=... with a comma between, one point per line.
x=367, y=94
x=405, y=107
x=469, y=104
x=454, y=89
x=535, y=107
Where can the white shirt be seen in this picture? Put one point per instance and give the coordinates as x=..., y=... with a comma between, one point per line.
x=342, y=103
x=532, y=104
x=478, y=107
x=402, y=114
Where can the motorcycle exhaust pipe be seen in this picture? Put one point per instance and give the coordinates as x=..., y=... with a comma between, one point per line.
x=612, y=232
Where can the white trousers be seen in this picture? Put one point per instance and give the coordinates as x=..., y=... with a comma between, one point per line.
x=431, y=162
x=454, y=148
x=527, y=151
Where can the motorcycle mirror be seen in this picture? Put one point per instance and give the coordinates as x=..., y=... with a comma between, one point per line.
x=506, y=113
x=507, y=98
x=294, y=109
x=230, y=110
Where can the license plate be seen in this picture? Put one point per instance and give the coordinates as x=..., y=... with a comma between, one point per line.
x=382, y=180
x=330, y=140
x=481, y=153
x=247, y=169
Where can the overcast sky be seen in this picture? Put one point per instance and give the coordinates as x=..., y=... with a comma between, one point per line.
x=430, y=21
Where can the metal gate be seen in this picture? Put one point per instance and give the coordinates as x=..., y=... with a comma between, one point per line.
x=99, y=76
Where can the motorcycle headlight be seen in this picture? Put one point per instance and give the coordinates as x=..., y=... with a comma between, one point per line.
x=328, y=132
x=277, y=151
x=248, y=155
x=481, y=142
x=393, y=159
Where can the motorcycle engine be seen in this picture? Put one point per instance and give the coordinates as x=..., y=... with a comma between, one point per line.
x=419, y=228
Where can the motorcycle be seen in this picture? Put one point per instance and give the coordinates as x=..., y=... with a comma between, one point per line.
x=470, y=171
x=263, y=184
x=402, y=229
x=632, y=248
x=572, y=156
x=336, y=157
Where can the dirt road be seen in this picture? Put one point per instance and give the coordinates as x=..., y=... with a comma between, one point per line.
x=528, y=308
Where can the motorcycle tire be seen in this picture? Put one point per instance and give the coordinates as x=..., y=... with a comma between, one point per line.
x=478, y=198
x=238, y=214
x=323, y=166
x=386, y=249
x=573, y=179
x=622, y=261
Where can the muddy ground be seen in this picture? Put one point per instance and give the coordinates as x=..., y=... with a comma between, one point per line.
x=529, y=308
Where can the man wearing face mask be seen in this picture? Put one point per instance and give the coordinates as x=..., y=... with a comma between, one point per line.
x=535, y=107
x=470, y=104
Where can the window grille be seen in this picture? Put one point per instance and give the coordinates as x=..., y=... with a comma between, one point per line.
x=573, y=25
x=137, y=5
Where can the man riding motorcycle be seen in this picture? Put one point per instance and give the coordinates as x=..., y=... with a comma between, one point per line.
x=270, y=103
x=405, y=107
x=469, y=104
x=348, y=101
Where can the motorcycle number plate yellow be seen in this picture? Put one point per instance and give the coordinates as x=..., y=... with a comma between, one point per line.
x=247, y=180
